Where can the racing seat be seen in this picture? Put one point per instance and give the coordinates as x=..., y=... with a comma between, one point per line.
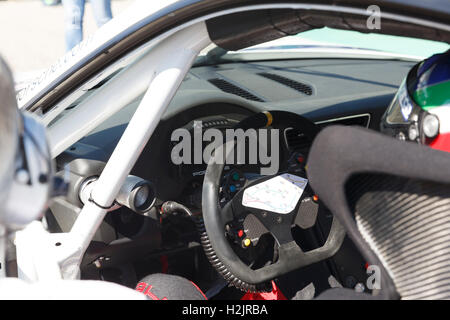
x=159, y=286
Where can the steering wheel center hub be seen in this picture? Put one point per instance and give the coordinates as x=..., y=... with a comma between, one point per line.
x=279, y=194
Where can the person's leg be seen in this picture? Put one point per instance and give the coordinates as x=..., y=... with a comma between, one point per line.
x=73, y=17
x=102, y=11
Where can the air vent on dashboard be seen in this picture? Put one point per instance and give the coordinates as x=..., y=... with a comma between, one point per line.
x=299, y=86
x=228, y=87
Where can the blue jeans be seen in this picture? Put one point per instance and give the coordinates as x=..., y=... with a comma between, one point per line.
x=74, y=12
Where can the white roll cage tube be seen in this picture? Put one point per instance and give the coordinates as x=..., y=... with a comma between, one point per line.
x=59, y=255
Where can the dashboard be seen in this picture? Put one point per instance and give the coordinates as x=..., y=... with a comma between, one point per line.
x=318, y=89
x=326, y=91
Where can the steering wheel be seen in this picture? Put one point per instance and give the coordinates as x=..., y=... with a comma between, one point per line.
x=277, y=219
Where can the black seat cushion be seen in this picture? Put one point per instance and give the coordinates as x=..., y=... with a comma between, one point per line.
x=159, y=286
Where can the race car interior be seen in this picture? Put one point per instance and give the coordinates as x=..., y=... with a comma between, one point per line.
x=171, y=233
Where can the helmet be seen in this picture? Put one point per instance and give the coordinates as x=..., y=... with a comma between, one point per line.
x=420, y=111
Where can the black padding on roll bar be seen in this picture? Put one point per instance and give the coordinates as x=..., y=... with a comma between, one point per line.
x=244, y=29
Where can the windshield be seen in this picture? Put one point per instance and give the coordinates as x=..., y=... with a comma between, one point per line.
x=338, y=42
x=380, y=42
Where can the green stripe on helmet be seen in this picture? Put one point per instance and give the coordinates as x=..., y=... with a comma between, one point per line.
x=433, y=96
